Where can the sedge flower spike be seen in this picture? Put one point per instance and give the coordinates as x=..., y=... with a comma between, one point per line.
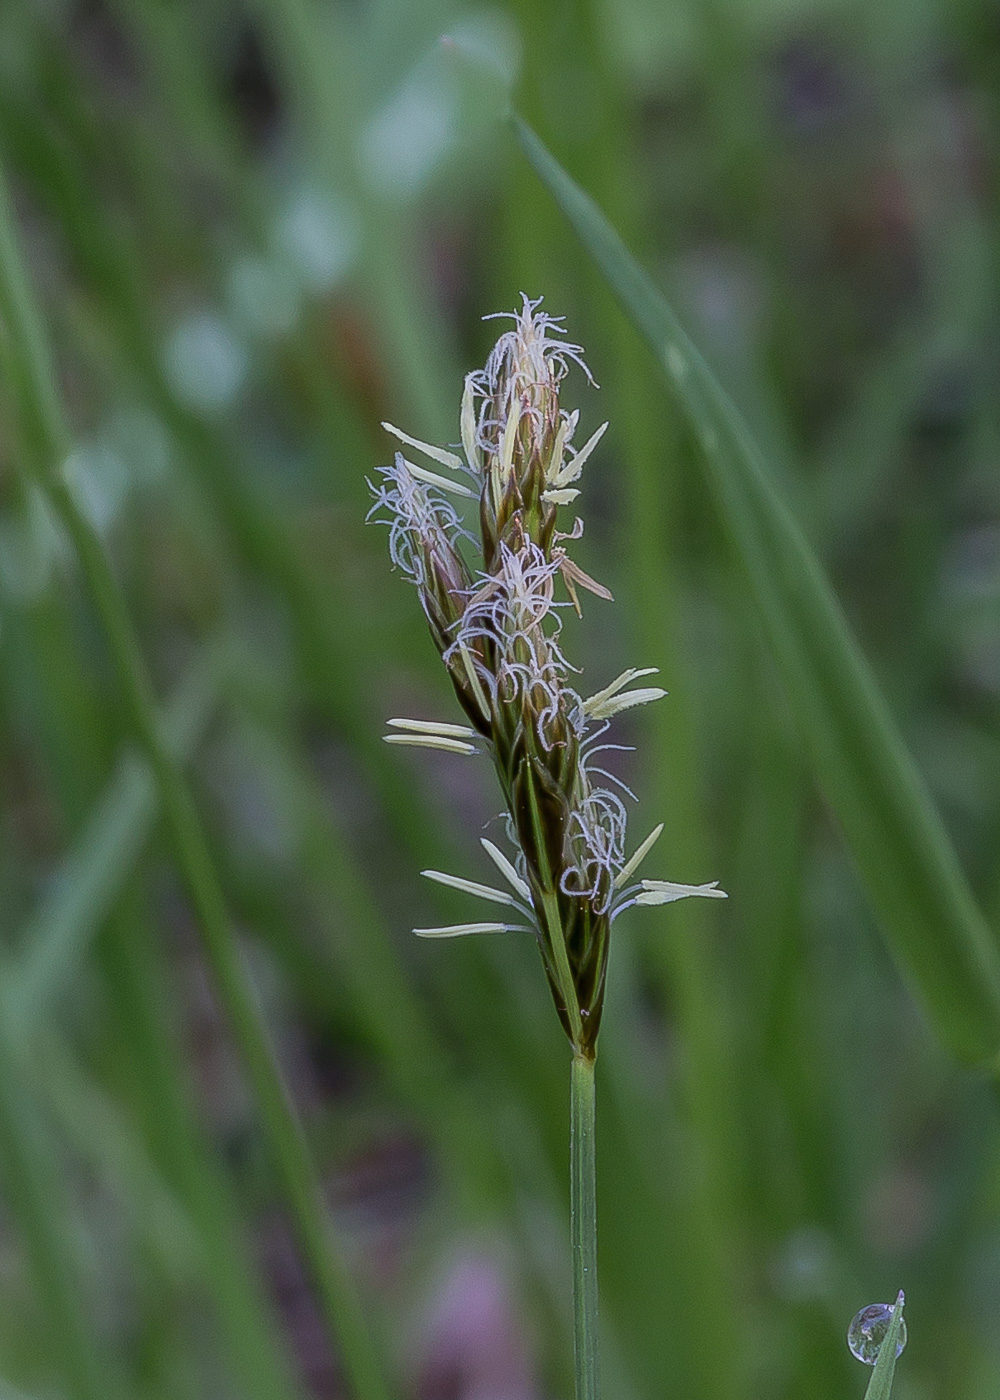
x=497, y=629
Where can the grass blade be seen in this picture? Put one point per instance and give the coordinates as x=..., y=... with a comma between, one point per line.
x=93, y=873
x=40, y=1210
x=45, y=435
x=892, y=828
x=880, y=1385
x=196, y=1228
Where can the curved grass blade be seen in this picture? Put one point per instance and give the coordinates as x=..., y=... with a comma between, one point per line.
x=895, y=835
x=40, y=1211
x=859, y=759
x=45, y=437
x=880, y=1385
x=178, y=1198
x=91, y=876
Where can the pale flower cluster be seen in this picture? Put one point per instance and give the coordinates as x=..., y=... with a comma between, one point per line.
x=497, y=627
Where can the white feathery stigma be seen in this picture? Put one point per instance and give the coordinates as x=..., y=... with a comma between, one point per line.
x=525, y=366
x=418, y=516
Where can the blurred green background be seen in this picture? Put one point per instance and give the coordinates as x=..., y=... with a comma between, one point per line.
x=254, y=231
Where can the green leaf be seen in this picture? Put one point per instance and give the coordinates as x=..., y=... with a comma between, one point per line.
x=91, y=876
x=39, y=1206
x=880, y=1385
x=27, y=357
x=894, y=833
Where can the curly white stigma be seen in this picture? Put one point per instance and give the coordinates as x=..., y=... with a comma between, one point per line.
x=524, y=370
x=508, y=612
x=418, y=516
x=598, y=826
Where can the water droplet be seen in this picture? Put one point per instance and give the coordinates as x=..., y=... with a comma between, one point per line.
x=205, y=361
x=263, y=296
x=676, y=363
x=404, y=143
x=99, y=479
x=142, y=442
x=320, y=235
x=867, y=1332
x=804, y=1267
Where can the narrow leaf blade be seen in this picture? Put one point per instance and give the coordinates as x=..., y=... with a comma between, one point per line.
x=895, y=835
x=880, y=1385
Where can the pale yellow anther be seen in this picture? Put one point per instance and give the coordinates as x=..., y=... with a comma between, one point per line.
x=460, y=930
x=437, y=454
x=666, y=892
x=506, y=869
x=632, y=865
x=571, y=471
x=506, y=464
x=475, y=684
x=430, y=741
x=473, y=887
x=433, y=726
x=470, y=445
x=626, y=701
x=443, y=483
x=555, y=462
x=634, y=673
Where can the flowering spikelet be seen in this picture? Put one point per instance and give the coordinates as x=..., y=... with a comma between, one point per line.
x=498, y=634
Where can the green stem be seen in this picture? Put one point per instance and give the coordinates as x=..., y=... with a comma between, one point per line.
x=36, y=1197
x=29, y=365
x=583, y=1227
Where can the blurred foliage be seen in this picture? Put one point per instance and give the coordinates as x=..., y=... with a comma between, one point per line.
x=254, y=231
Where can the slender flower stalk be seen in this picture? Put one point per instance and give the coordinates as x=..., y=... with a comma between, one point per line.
x=497, y=625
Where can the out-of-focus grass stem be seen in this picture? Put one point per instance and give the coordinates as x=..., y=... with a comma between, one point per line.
x=315, y=46
x=94, y=892
x=56, y=937
x=895, y=833
x=42, y=1213
x=27, y=357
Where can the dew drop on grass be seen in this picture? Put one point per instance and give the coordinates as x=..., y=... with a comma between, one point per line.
x=867, y=1332
x=205, y=361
